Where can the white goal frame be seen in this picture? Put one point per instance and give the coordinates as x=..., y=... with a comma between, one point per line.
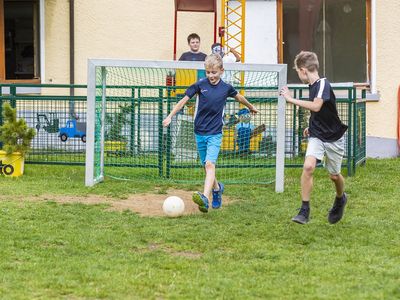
x=93, y=64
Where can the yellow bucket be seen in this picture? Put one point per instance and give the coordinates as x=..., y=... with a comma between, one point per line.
x=11, y=165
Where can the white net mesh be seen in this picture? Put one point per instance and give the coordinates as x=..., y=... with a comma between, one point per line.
x=132, y=101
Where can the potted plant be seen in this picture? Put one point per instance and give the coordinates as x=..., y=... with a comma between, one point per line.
x=16, y=137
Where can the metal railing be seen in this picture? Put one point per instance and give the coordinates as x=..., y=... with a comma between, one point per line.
x=53, y=108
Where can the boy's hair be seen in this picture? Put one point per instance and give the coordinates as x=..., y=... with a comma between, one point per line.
x=213, y=60
x=193, y=36
x=307, y=60
x=217, y=48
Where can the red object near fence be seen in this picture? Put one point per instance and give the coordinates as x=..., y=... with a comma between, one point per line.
x=398, y=118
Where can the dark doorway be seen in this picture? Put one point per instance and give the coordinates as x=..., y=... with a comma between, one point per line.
x=21, y=38
x=335, y=30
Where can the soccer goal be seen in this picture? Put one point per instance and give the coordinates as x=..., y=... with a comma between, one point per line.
x=127, y=101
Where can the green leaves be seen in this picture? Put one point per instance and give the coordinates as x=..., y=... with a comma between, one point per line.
x=15, y=134
x=115, y=122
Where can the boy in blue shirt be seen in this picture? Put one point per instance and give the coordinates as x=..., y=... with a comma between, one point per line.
x=213, y=93
x=194, y=54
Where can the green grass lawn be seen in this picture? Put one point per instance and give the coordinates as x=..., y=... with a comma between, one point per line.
x=248, y=250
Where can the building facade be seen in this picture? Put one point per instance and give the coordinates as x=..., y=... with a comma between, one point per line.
x=49, y=41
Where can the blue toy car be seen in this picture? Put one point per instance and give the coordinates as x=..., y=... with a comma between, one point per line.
x=73, y=129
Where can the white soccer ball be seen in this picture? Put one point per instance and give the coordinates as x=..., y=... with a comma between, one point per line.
x=173, y=206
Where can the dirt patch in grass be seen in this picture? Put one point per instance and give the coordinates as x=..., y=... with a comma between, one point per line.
x=149, y=204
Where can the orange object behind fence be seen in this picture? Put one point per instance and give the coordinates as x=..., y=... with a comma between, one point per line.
x=398, y=118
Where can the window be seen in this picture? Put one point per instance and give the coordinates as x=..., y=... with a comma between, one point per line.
x=19, y=27
x=334, y=29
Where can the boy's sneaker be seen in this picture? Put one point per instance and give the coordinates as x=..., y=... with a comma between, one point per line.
x=337, y=210
x=302, y=217
x=201, y=201
x=217, y=196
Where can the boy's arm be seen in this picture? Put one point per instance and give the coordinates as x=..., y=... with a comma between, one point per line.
x=176, y=108
x=241, y=99
x=236, y=54
x=314, y=106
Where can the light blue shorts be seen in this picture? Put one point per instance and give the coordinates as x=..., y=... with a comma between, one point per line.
x=208, y=147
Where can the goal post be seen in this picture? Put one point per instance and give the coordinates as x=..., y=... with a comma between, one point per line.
x=127, y=100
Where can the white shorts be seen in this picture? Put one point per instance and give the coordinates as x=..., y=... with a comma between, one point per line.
x=332, y=152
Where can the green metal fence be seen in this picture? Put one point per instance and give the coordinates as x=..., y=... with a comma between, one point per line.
x=148, y=149
x=48, y=108
x=351, y=108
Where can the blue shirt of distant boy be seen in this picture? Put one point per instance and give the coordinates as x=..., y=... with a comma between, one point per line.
x=210, y=105
x=325, y=124
x=191, y=56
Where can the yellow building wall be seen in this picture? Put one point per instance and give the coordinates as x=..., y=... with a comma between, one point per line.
x=56, y=41
x=136, y=29
x=130, y=29
x=382, y=115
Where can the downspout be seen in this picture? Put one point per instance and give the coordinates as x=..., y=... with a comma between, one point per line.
x=398, y=120
x=71, y=59
x=373, y=47
x=175, y=30
x=215, y=23
x=42, y=42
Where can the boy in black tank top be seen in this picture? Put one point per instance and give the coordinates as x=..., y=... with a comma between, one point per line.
x=325, y=133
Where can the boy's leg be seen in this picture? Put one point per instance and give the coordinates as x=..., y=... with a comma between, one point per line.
x=334, y=157
x=315, y=151
x=306, y=188
x=208, y=147
x=338, y=180
x=213, y=147
x=216, y=185
x=210, y=178
x=211, y=183
x=217, y=194
x=307, y=177
x=200, y=199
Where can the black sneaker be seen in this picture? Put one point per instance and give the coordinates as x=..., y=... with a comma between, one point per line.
x=302, y=217
x=337, y=210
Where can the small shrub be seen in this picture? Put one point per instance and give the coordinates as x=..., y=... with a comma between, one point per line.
x=15, y=134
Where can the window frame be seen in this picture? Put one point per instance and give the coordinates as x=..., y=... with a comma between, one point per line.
x=3, y=57
x=280, y=40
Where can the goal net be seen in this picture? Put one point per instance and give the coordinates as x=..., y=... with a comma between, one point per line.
x=128, y=100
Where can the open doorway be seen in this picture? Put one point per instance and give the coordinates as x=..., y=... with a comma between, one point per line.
x=21, y=60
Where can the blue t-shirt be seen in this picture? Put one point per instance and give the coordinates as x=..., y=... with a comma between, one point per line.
x=325, y=124
x=190, y=56
x=210, y=105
